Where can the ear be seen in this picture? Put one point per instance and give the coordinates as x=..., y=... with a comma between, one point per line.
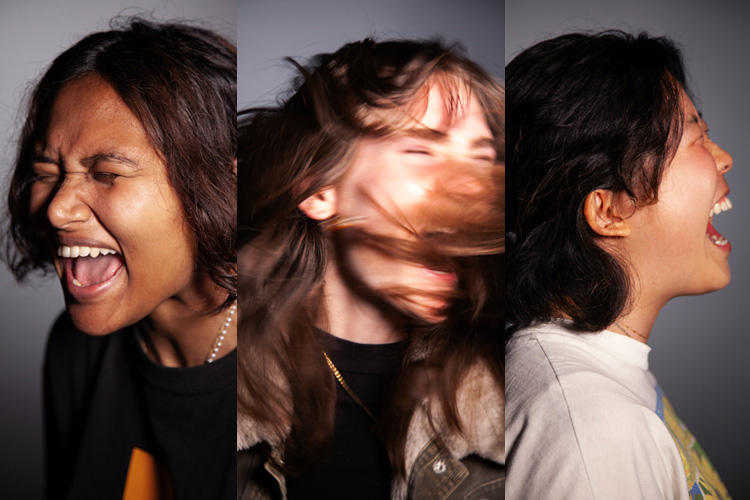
x=321, y=205
x=604, y=215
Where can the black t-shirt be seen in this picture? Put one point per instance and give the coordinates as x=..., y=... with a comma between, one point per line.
x=117, y=422
x=358, y=465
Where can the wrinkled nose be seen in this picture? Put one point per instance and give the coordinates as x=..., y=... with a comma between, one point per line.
x=68, y=205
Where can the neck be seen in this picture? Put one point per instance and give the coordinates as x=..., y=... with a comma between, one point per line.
x=178, y=333
x=639, y=321
x=354, y=318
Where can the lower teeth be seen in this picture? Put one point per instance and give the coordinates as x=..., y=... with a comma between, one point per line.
x=77, y=283
x=719, y=240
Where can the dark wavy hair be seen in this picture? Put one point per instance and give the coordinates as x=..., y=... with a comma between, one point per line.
x=180, y=81
x=292, y=151
x=585, y=112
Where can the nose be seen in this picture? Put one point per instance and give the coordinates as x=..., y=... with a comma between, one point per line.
x=68, y=204
x=723, y=159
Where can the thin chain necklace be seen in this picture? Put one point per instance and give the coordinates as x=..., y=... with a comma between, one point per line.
x=218, y=340
x=337, y=374
x=627, y=329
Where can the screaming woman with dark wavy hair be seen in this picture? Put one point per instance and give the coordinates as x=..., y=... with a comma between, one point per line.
x=613, y=188
x=371, y=232
x=125, y=185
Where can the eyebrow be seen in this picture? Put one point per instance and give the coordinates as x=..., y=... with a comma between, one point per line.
x=425, y=133
x=42, y=158
x=439, y=137
x=697, y=119
x=694, y=119
x=112, y=156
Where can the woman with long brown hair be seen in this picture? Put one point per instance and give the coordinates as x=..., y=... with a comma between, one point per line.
x=371, y=227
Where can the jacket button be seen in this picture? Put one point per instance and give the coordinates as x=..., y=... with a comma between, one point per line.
x=438, y=467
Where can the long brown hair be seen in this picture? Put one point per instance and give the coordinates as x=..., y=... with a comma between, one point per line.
x=305, y=144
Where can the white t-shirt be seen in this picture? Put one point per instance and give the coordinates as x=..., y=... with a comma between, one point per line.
x=586, y=419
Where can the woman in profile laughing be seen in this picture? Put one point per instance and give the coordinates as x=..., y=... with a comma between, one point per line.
x=614, y=183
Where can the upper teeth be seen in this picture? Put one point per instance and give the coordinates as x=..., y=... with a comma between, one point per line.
x=721, y=206
x=78, y=251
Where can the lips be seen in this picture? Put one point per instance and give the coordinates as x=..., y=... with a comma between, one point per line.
x=713, y=235
x=446, y=276
x=89, y=270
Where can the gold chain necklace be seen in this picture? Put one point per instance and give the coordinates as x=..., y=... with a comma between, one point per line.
x=337, y=374
x=626, y=328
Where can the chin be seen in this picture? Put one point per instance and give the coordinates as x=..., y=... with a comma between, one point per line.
x=90, y=321
x=722, y=278
x=718, y=282
x=428, y=311
x=724, y=283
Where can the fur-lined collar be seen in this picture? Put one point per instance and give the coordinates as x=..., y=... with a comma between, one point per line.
x=481, y=408
x=249, y=431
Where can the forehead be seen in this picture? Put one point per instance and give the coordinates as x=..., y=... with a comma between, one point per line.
x=87, y=115
x=691, y=114
x=450, y=111
x=89, y=99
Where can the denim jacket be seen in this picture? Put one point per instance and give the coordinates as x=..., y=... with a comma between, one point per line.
x=441, y=465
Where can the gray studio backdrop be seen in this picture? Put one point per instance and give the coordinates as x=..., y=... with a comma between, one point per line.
x=700, y=345
x=270, y=30
x=32, y=33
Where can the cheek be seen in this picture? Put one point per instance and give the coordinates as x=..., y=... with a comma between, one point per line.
x=408, y=192
x=170, y=228
x=389, y=198
x=149, y=204
x=148, y=220
x=381, y=273
x=164, y=232
x=38, y=197
x=390, y=179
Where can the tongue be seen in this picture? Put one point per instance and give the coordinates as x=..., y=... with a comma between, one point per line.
x=92, y=271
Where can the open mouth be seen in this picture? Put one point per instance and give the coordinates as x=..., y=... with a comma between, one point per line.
x=713, y=235
x=442, y=274
x=89, y=267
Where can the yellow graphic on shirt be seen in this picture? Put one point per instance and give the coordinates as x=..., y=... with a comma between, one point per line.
x=702, y=479
x=147, y=478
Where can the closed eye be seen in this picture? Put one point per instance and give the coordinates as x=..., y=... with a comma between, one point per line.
x=45, y=178
x=45, y=171
x=485, y=158
x=106, y=177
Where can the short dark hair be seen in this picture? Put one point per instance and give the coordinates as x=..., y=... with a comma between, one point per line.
x=584, y=112
x=180, y=81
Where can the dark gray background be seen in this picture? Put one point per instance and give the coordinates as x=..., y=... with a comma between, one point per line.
x=32, y=33
x=270, y=30
x=700, y=344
